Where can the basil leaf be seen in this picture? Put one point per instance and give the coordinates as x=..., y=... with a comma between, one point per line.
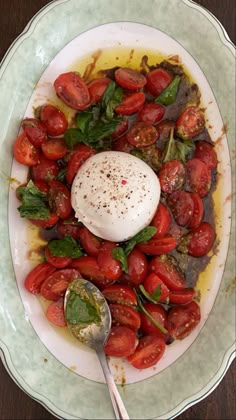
x=80, y=311
x=157, y=293
x=62, y=175
x=168, y=96
x=184, y=147
x=142, y=236
x=34, y=202
x=176, y=149
x=111, y=98
x=146, y=294
x=84, y=119
x=73, y=136
x=66, y=247
x=142, y=309
x=102, y=129
x=119, y=254
x=108, y=94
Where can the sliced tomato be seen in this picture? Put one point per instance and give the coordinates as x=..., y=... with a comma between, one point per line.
x=190, y=123
x=54, y=149
x=122, y=145
x=151, y=283
x=172, y=176
x=25, y=152
x=35, y=130
x=161, y=220
x=198, y=177
x=166, y=268
x=97, y=89
x=89, y=242
x=199, y=241
x=42, y=186
x=183, y=319
x=50, y=222
x=82, y=153
x=149, y=351
x=205, y=152
x=69, y=226
x=137, y=266
x=45, y=170
x=36, y=277
x=109, y=266
x=131, y=104
x=89, y=269
x=55, y=285
x=55, y=313
x=121, y=129
x=158, y=80
x=198, y=211
x=54, y=120
x=117, y=293
x=151, y=113
x=142, y=134
x=180, y=297
x=158, y=246
x=129, y=78
x=121, y=342
x=59, y=199
x=159, y=314
x=181, y=205
x=72, y=90
x=125, y=315
x=58, y=262
x=164, y=128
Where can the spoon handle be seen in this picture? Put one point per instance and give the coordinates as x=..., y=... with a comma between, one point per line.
x=118, y=405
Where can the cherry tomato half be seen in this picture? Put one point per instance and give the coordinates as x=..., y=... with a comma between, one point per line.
x=148, y=353
x=125, y=315
x=122, y=145
x=172, y=176
x=164, y=128
x=181, y=205
x=35, y=131
x=45, y=170
x=157, y=81
x=89, y=269
x=151, y=113
x=198, y=177
x=129, y=78
x=180, y=297
x=158, y=246
x=181, y=320
x=199, y=241
x=58, y=262
x=59, y=199
x=81, y=154
x=205, y=152
x=97, y=89
x=168, y=272
x=137, y=266
x=198, y=211
x=117, y=293
x=54, y=149
x=55, y=285
x=142, y=134
x=161, y=220
x=89, y=242
x=109, y=266
x=121, y=342
x=25, y=152
x=36, y=277
x=54, y=120
x=72, y=90
x=50, y=222
x=121, y=128
x=69, y=226
x=190, y=123
x=55, y=313
x=150, y=284
x=159, y=314
x=131, y=104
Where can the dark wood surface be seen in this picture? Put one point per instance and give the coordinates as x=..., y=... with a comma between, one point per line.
x=14, y=404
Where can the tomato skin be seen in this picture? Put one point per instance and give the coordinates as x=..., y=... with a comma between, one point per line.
x=158, y=246
x=159, y=314
x=89, y=242
x=109, y=266
x=181, y=297
x=151, y=113
x=198, y=211
x=97, y=88
x=149, y=351
x=125, y=315
x=122, y=145
x=59, y=199
x=54, y=149
x=198, y=177
x=129, y=78
x=150, y=284
x=164, y=129
x=55, y=285
x=121, y=128
x=57, y=262
x=36, y=277
x=131, y=104
x=181, y=320
x=54, y=120
x=205, y=152
x=72, y=90
x=168, y=272
x=42, y=186
x=70, y=227
x=161, y=220
x=55, y=313
x=137, y=266
x=25, y=152
x=117, y=293
x=181, y=205
x=45, y=170
x=35, y=131
x=142, y=134
x=199, y=241
x=121, y=342
x=82, y=153
x=172, y=176
x=190, y=123
x=50, y=222
x=157, y=81
x=89, y=269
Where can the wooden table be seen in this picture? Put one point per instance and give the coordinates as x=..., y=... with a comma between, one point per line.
x=14, y=404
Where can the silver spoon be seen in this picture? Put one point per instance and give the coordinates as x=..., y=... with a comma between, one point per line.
x=93, y=333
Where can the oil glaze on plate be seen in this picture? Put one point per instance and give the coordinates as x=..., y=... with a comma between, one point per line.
x=46, y=363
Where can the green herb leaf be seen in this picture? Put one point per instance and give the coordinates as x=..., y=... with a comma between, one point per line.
x=119, y=254
x=84, y=119
x=157, y=293
x=80, y=311
x=142, y=309
x=66, y=247
x=102, y=129
x=146, y=294
x=34, y=202
x=111, y=98
x=176, y=149
x=73, y=136
x=142, y=236
x=168, y=96
x=62, y=175
x=109, y=92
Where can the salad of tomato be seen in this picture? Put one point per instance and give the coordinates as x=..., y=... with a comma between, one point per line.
x=155, y=115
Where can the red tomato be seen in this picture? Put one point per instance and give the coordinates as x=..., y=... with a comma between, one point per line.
x=82, y=153
x=161, y=220
x=125, y=315
x=45, y=170
x=131, y=104
x=182, y=320
x=181, y=205
x=72, y=90
x=55, y=285
x=198, y=177
x=148, y=353
x=25, y=152
x=53, y=119
x=164, y=129
x=89, y=269
x=42, y=186
x=157, y=81
x=168, y=272
x=151, y=113
x=199, y=241
x=97, y=89
x=137, y=266
x=142, y=134
x=55, y=313
x=130, y=78
x=59, y=199
x=150, y=284
x=69, y=226
x=205, y=152
x=110, y=267
x=36, y=277
x=35, y=131
x=54, y=149
x=182, y=296
x=159, y=314
x=58, y=262
x=117, y=293
x=172, y=176
x=121, y=128
x=190, y=123
x=122, y=145
x=198, y=210
x=50, y=222
x=121, y=342
x=158, y=246
x=89, y=242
